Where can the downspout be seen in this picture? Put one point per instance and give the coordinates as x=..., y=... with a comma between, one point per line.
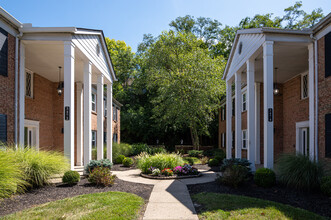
x=18, y=36
x=316, y=96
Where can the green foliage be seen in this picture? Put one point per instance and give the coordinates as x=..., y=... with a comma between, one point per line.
x=265, y=177
x=101, y=176
x=12, y=177
x=122, y=149
x=235, y=161
x=213, y=162
x=158, y=150
x=204, y=160
x=139, y=148
x=326, y=185
x=195, y=153
x=127, y=162
x=235, y=175
x=71, y=177
x=299, y=172
x=192, y=160
x=119, y=159
x=40, y=166
x=98, y=163
x=161, y=161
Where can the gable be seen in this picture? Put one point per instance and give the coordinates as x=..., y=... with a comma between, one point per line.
x=245, y=47
x=92, y=46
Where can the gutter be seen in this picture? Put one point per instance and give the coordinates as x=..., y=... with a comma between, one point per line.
x=18, y=36
x=316, y=97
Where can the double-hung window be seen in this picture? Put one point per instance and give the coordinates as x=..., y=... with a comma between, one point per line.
x=223, y=113
x=223, y=136
x=304, y=86
x=94, y=138
x=114, y=113
x=244, y=101
x=105, y=106
x=94, y=102
x=244, y=139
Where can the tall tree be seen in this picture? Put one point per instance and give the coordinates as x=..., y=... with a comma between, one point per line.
x=187, y=82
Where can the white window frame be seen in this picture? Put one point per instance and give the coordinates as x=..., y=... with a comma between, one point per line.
x=223, y=139
x=223, y=112
x=33, y=126
x=244, y=139
x=94, y=102
x=244, y=101
x=27, y=71
x=302, y=85
x=94, y=138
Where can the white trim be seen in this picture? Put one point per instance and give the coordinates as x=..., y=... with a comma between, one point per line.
x=322, y=33
x=100, y=92
x=238, y=109
x=228, y=119
x=311, y=102
x=302, y=75
x=110, y=121
x=298, y=126
x=22, y=95
x=87, y=112
x=34, y=125
x=257, y=122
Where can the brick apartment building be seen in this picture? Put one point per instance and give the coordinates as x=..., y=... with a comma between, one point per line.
x=53, y=81
x=278, y=97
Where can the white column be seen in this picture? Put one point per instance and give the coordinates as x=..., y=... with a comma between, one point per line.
x=69, y=104
x=268, y=101
x=100, y=112
x=257, y=123
x=251, y=113
x=87, y=112
x=228, y=119
x=311, y=102
x=22, y=96
x=238, y=109
x=109, y=121
x=79, y=117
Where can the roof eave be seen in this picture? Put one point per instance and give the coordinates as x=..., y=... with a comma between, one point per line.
x=13, y=21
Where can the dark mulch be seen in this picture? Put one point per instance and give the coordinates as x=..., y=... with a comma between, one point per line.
x=120, y=167
x=314, y=202
x=56, y=192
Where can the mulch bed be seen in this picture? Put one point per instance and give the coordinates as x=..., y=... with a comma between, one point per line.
x=161, y=177
x=120, y=167
x=314, y=202
x=56, y=192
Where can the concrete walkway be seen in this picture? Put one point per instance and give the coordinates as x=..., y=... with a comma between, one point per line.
x=170, y=199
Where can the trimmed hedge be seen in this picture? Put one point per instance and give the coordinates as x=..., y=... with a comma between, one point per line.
x=265, y=177
x=71, y=177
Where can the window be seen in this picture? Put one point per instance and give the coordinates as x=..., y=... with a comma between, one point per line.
x=94, y=106
x=223, y=136
x=3, y=52
x=233, y=107
x=94, y=138
x=115, y=138
x=304, y=86
x=244, y=102
x=104, y=137
x=105, y=105
x=244, y=139
x=233, y=139
x=29, y=84
x=327, y=56
x=114, y=113
x=223, y=116
x=3, y=128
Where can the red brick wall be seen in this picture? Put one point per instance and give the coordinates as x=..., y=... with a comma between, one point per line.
x=324, y=100
x=7, y=91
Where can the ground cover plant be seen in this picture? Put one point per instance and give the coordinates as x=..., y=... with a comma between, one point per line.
x=224, y=206
x=119, y=205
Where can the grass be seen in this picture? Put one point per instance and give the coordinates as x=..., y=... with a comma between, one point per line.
x=224, y=206
x=108, y=205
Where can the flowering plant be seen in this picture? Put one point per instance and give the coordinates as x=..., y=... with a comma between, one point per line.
x=167, y=172
x=156, y=172
x=150, y=170
x=185, y=170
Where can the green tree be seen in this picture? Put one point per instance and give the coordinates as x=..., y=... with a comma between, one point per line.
x=187, y=82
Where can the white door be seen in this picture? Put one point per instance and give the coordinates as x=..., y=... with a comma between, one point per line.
x=304, y=141
x=31, y=134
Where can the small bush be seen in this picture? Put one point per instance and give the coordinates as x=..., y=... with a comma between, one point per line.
x=71, y=177
x=265, y=177
x=98, y=163
x=299, y=172
x=140, y=148
x=204, y=160
x=219, y=155
x=127, y=162
x=235, y=161
x=213, y=162
x=119, y=159
x=326, y=185
x=195, y=153
x=121, y=149
x=235, y=175
x=191, y=160
x=167, y=172
x=157, y=150
x=101, y=176
x=161, y=161
x=213, y=152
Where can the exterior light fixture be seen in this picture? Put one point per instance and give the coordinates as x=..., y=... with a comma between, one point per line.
x=276, y=89
x=60, y=86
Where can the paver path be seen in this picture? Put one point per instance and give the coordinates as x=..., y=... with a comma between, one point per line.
x=170, y=199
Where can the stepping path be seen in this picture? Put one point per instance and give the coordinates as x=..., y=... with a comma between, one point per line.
x=170, y=199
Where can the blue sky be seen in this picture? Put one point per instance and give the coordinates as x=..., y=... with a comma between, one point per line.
x=129, y=20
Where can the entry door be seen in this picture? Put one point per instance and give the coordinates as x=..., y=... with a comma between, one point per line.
x=304, y=141
x=30, y=137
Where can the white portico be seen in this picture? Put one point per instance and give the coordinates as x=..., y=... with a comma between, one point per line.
x=83, y=59
x=263, y=62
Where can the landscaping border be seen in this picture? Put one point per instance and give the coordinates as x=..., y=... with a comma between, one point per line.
x=169, y=177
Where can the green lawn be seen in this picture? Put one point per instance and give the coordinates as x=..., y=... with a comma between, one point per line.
x=108, y=205
x=224, y=206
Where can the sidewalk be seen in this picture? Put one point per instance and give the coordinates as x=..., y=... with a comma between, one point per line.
x=170, y=199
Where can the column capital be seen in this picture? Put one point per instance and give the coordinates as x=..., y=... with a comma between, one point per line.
x=268, y=48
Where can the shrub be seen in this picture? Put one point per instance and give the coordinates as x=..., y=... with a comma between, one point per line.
x=156, y=172
x=12, y=178
x=235, y=161
x=71, y=177
x=204, y=160
x=213, y=152
x=161, y=161
x=299, y=172
x=157, y=150
x=326, y=185
x=98, y=163
x=119, y=159
x=195, y=153
x=127, y=162
x=265, y=177
x=40, y=166
x=219, y=158
x=213, y=162
x=101, y=176
x=167, y=172
x=140, y=148
x=219, y=155
x=235, y=175
x=121, y=149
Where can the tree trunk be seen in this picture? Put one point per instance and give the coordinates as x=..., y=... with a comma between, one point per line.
x=194, y=137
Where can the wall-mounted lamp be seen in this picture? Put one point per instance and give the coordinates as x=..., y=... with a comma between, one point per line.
x=276, y=89
x=61, y=84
